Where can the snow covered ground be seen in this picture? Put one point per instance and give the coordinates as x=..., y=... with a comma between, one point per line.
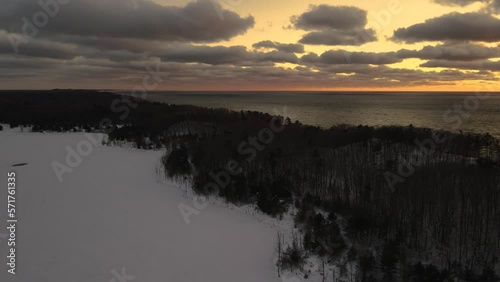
x=112, y=213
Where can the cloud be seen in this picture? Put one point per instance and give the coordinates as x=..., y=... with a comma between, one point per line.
x=172, y=52
x=44, y=48
x=334, y=25
x=455, y=26
x=81, y=72
x=198, y=21
x=496, y=5
x=218, y=55
x=38, y=48
x=330, y=17
x=206, y=54
x=116, y=39
x=339, y=37
x=288, y=48
x=108, y=44
x=452, y=52
x=198, y=66
x=340, y=57
x=277, y=57
x=458, y=2
x=485, y=65
x=491, y=5
x=12, y=64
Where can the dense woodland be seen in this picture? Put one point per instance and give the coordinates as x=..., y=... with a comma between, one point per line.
x=410, y=214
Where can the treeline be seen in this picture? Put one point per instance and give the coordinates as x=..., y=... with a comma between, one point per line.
x=412, y=208
x=445, y=213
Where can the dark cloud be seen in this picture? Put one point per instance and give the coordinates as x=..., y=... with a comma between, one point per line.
x=109, y=44
x=355, y=37
x=200, y=21
x=472, y=65
x=218, y=55
x=80, y=73
x=334, y=25
x=340, y=57
x=452, y=52
x=496, y=5
x=207, y=55
x=10, y=63
x=116, y=39
x=455, y=26
x=491, y=5
x=284, y=47
x=220, y=66
x=268, y=76
x=38, y=48
x=277, y=57
x=458, y=2
x=43, y=48
x=174, y=52
x=330, y=17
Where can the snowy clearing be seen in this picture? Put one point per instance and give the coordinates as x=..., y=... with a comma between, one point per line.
x=112, y=213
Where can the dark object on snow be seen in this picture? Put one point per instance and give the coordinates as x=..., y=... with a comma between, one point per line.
x=21, y=164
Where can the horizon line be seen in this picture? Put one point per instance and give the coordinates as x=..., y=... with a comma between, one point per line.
x=219, y=91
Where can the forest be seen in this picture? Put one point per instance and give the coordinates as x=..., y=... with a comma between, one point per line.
x=416, y=204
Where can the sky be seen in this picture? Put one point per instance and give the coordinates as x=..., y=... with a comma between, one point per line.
x=386, y=45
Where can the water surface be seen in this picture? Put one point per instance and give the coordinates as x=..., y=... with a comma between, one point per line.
x=366, y=108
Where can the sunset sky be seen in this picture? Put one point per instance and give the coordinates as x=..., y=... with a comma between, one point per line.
x=449, y=45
